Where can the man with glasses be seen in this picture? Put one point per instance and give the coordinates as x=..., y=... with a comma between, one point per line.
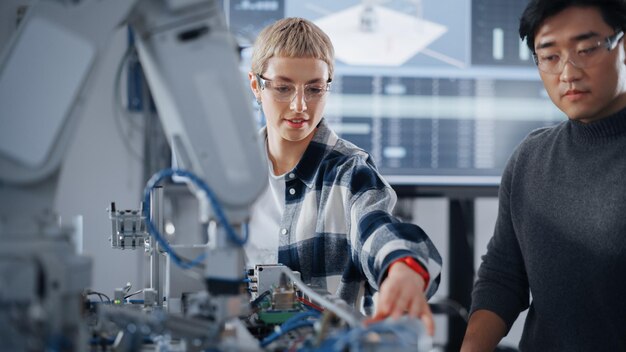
x=560, y=237
x=327, y=210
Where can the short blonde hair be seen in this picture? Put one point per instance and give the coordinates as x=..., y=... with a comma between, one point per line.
x=292, y=37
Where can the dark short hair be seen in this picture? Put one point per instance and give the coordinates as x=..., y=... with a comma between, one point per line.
x=613, y=12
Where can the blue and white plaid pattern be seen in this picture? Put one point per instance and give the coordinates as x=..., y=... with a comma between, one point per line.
x=337, y=227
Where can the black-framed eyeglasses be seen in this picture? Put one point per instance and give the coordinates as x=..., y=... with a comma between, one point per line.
x=586, y=54
x=285, y=92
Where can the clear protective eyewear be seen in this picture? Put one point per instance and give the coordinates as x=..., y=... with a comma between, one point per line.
x=587, y=53
x=285, y=92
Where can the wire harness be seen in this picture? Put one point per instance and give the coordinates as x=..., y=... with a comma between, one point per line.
x=217, y=208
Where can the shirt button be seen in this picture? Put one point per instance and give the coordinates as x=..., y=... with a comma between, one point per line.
x=292, y=175
x=292, y=191
x=283, y=231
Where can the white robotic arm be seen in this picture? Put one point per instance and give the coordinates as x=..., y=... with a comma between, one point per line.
x=191, y=65
x=190, y=62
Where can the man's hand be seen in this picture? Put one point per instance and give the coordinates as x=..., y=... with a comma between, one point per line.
x=402, y=292
x=484, y=330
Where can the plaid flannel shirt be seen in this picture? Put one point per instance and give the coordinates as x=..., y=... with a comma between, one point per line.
x=337, y=228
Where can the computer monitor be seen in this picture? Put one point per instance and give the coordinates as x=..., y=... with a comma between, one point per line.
x=438, y=92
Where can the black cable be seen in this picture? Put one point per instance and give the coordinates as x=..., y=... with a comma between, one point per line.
x=133, y=294
x=99, y=294
x=118, y=109
x=256, y=301
x=449, y=307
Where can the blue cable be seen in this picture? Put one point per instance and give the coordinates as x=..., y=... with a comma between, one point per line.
x=58, y=343
x=275, y=335
x=97, y=341
x=300, y=316
x=290, y=324
x=153, y=231
x=352, y=339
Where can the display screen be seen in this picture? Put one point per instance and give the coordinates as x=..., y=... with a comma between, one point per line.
x=438, y=92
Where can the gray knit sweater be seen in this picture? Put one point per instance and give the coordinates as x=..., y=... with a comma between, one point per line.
x=561, y=236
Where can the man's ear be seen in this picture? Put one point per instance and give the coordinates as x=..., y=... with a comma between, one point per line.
x=254, y=86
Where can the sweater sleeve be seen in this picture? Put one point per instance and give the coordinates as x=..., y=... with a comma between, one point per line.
x=502, y=284
x=377, y=238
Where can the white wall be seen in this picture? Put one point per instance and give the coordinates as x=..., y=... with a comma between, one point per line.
x=98, y=170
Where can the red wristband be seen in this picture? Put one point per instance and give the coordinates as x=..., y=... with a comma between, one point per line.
x=417, y=267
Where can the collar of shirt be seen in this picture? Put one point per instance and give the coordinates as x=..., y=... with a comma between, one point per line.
x=320, y=146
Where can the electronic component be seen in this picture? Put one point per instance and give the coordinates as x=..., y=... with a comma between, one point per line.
x=128, y=229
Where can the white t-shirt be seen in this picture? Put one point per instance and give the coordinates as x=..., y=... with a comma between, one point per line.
x=266, y=215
